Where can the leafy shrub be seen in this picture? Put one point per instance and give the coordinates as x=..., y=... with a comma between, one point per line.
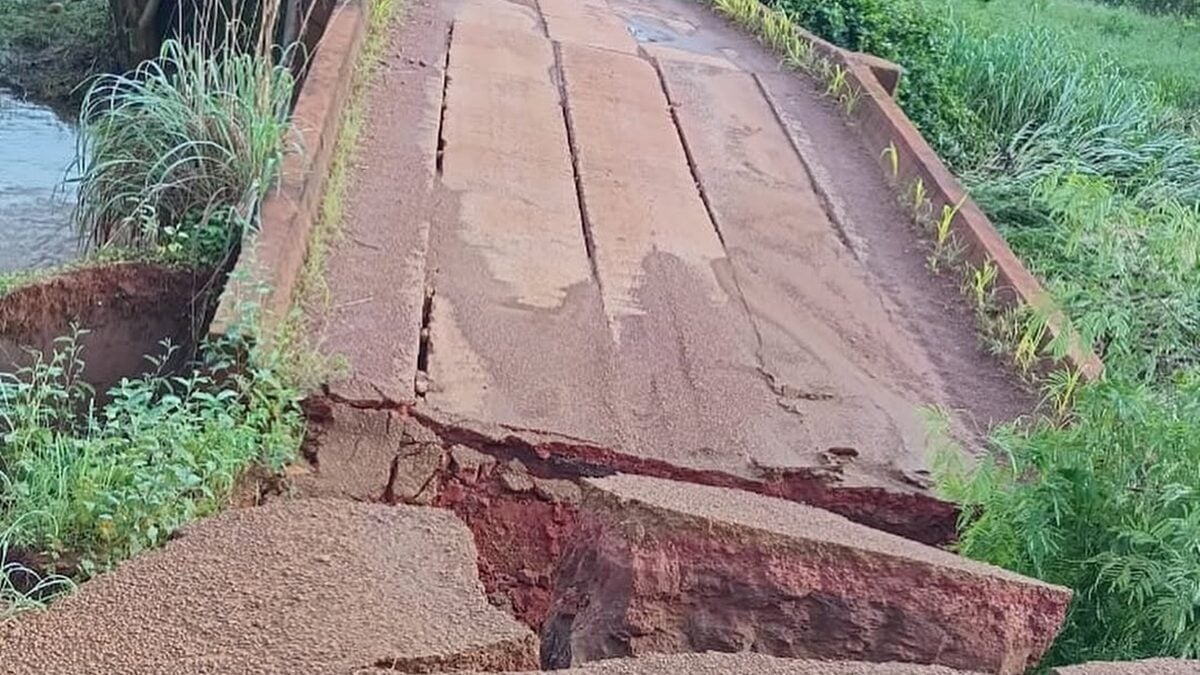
x=1108, y=505
x=98, y=485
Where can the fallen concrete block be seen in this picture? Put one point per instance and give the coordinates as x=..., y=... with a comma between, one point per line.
x=1145, y=667
x=305, y=586
x=665, y=567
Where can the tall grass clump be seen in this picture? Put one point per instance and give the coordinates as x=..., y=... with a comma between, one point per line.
x=201, y=131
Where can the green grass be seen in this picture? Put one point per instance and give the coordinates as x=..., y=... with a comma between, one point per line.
x=175, y=158
x=192, y=139
x=93, y=485
x=1160, y=49
x=1089, y=166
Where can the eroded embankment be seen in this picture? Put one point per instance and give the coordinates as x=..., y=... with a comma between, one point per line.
x=575, y=550
x=127, y=311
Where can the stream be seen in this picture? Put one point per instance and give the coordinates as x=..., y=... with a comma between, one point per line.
x=37, y=147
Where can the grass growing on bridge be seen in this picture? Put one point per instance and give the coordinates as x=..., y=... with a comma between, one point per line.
x=1088, y=159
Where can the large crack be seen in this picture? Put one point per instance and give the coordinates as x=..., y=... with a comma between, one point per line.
x=441, y=139
x=912, y=515
x=530, y=501
x=517, y=489
x=573, y=147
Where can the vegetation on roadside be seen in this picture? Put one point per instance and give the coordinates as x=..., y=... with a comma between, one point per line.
x=178, y=154
x=89, y=484
x=1087, y=159
x=176, y=157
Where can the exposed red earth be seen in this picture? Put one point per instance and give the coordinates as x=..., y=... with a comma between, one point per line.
x=641, y=351
x=128, y=309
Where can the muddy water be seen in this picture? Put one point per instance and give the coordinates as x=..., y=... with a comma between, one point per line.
x=36, y=149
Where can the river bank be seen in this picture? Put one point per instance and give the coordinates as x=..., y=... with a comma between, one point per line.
x=49, y=47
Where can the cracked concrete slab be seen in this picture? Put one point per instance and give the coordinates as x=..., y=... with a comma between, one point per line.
x=510, y=261
x=660, y=566
x=822, y=328
x=580, y=285
x=304, y=586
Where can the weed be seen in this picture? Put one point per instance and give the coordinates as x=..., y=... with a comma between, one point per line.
x=837, y=82
x=893, y=157
x=920, y=198
x=23, y=589
x=849, y=99
x=982, y=280
x=100, y=483
x=943, y=229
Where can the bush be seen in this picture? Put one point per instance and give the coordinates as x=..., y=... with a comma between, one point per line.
x=1108, y=505
x=908, y=33
x=95, y=486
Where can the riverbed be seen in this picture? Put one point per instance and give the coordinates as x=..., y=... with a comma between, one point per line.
x=37, y=149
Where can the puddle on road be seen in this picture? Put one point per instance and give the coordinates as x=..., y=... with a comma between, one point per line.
x=36, y=149
x=675, y=34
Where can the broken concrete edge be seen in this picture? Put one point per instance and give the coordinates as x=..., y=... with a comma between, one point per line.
x=884, y=126
x=269, y=267
x=910, y=514
x=530, y=499
x=855, y=591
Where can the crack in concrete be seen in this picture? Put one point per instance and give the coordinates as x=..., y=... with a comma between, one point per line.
x=441, y=139
x=573, y=148
x=912, y=515
x=817, y=176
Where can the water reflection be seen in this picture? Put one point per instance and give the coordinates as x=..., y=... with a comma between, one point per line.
x=36, y=149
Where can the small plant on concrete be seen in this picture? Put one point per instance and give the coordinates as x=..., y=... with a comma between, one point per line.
x=892, y=155
x=982, y=279
x=919, y=200
x=837, y=82
x=943, y=233
x=849, y=100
